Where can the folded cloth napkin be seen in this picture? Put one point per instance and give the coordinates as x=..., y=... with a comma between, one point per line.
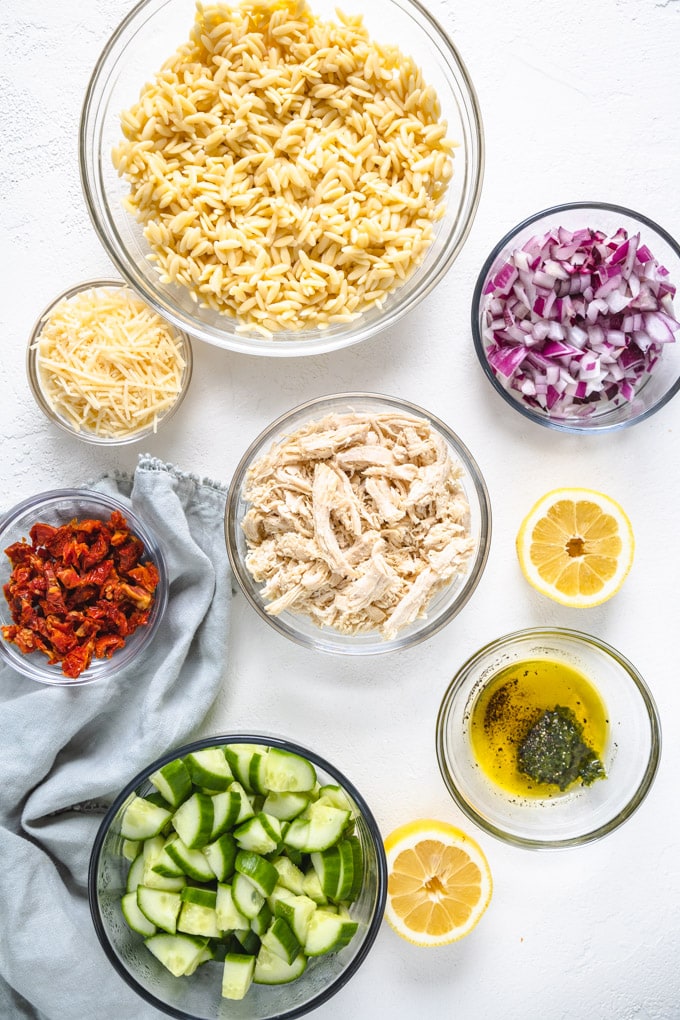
x=66, y=752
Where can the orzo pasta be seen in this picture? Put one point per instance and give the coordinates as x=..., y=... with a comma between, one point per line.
x=287, y=170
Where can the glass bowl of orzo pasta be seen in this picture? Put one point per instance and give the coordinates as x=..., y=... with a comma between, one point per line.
x=281, y=178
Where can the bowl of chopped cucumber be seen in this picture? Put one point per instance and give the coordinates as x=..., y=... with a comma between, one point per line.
x=238, y=876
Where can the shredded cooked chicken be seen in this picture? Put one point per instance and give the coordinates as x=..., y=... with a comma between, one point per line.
x=356, y=520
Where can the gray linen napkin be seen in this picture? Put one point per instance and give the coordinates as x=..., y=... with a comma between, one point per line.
x=65, y=753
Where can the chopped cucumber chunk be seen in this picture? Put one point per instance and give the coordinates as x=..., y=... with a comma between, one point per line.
x=247, y=899
x=193, y=820
x=134, y=875
x=296, y=910
x=286, y=772
x=326, y=864
x=229, y=917
x=199, y=895
x=328, y=932
x=285, y=806
x=173, y=782
x=197, y=914
x=289, y=875
x=131, y=848
x=160, y=907
x=134, y=917
x=311, y=887
x=193, y=863
x=221, y=856
x=166, y=865
x=336, y=797
x=260, y=923
x=270, y=969
x=143, y=819
x=228, y=807
x=261, y=833
x=153, y=880
x=281, y=940
x=153, y=851
x=208, y=768
x=152, y=848
x=237, y=975
x=358, y=868
x=260, y=871
x=240, y=757
x=335, y=870
x=323, y=827
x=179, y=953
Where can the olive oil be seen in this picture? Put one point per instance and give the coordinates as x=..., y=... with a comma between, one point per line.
x=513, y=701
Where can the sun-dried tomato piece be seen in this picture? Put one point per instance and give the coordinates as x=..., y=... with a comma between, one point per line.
x=106, y=644
x=20, y=552
x=97, y=550
x=145, y=575
x=61, y=635
x=54, y=599
x=42, y=534
x=128, y=555
x=69, y=577
x=78, y=591
x=133, y=593
x=112, y=618
x=78, y=660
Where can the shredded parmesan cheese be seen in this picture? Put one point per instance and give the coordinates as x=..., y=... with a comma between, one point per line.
x=108, y=364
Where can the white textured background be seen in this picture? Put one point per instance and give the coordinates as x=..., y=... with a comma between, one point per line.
x=579, y=102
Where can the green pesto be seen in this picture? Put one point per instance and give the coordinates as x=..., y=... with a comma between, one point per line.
x=553, y=751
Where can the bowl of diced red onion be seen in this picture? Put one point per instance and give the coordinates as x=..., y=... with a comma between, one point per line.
x=575, y=317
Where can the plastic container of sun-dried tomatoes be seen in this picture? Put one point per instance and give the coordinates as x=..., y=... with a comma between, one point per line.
x=89, y=598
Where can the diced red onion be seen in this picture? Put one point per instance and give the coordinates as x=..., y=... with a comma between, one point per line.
x=573, y=319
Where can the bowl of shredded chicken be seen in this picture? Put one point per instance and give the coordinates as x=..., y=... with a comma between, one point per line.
x=358, y=524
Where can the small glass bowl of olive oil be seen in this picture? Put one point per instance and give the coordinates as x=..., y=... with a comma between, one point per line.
x=548, y=738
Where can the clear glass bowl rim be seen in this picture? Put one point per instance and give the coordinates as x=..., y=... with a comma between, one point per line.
x=244, y=738
x=560, y=425
x=34, y=380
x=154, y=551
x=480, y=560
x=356, y=333
x=637, y=796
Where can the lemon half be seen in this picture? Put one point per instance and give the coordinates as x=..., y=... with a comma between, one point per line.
x=439, y=882
x=576, y=546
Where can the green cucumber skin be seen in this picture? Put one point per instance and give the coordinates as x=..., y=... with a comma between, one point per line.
x=173, y=782
x=134, y=918
x=193, y=820
x=221, y=856
x=192, y=862
x=208, y=771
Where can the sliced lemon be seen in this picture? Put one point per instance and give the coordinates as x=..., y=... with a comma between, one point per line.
x=439, y=882
x=576, y=546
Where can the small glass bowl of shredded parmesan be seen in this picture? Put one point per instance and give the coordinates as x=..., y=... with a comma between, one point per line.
x=104, y=366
